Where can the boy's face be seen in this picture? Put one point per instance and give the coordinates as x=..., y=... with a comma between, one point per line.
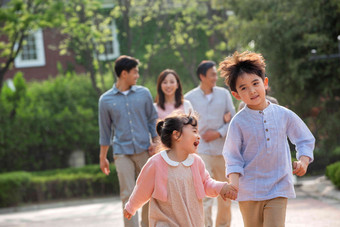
x=210, y=78
x=251, y=89
x=132, y=76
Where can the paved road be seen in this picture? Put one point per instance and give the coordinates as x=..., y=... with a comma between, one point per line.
x=304, y=211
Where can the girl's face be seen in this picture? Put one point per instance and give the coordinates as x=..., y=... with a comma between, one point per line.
x=169, y=85
x=251, y=89
x=189, y=138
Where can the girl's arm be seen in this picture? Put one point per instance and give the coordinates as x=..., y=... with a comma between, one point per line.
x=212, y=187
x=143, y=189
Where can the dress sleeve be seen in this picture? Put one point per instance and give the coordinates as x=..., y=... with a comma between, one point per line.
x=143, y=189
x=212, y=187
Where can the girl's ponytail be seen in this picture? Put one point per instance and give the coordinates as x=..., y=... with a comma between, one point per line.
x=159, y=127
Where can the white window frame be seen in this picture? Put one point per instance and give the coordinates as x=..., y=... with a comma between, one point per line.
x=115, y=45
x=40, y=61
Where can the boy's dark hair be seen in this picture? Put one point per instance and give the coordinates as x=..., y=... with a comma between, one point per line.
x=203, y=67
x=175, y=122
x=160, y=98
x=125, y=62
x=237, y=64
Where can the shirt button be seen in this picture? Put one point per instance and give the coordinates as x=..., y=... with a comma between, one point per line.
x=266, y=130
x=127, y=104
x=129, y=113
x=130, y=122
x=268, y=139
x=265, y=121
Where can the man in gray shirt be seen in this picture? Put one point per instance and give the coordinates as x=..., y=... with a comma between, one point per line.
x=127, y=110
x=215, y=108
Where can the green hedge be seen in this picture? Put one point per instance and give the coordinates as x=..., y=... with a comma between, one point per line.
x=24, y=187
x=41, y=124
x=333, y=173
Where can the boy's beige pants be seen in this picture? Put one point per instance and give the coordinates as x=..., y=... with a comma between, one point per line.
x=128, y=168
x=267, y=213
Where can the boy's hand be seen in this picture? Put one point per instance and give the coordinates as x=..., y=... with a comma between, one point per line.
x=127, y=215
x=227, y=117
x=300, y=167
x=229, y=191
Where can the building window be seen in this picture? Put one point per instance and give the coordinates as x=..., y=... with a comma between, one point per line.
x=32, y=53
x=111, y=47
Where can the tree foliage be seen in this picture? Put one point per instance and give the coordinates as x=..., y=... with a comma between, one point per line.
x=43, y=123
x=285, y=32
x=189, y=30
x=17, y=19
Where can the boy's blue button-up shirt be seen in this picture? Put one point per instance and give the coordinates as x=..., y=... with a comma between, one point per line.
x=258, y=149
x=131, y=117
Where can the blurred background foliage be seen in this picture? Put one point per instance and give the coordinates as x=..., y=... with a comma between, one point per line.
x=41, y=123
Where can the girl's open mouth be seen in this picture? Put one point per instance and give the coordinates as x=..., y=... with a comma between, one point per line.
x=196, y=143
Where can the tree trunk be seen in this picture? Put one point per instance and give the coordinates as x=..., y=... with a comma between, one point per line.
x=90, y=68
x=125, y=5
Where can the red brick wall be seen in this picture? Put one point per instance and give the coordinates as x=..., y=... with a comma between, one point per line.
x=51, y=43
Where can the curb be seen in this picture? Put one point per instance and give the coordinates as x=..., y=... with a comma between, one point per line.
x=319, y=187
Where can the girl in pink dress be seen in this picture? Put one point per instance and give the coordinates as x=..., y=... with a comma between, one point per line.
x=175, y=180
x=169, y=95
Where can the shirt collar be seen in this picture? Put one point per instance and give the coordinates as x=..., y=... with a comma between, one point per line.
x=266, y=110
x=187, y=162
x=202, y=92
x=115, y=89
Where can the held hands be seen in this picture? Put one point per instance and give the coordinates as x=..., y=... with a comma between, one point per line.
x=127, y=215
x=300, y=167
x=229, y=191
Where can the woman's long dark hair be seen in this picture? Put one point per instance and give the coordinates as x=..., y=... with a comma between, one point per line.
x=160, y=98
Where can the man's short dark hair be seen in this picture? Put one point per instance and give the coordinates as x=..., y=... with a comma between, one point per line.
x=125, y=62
x=203, y=67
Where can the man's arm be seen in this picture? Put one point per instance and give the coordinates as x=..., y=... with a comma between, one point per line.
x=151, y=115
x=230, y=110
x=104, y=162
x=104, y=120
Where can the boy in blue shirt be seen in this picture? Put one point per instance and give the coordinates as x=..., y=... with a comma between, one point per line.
x=256, y=149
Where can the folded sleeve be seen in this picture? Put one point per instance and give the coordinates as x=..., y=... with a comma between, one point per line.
x=299, y=134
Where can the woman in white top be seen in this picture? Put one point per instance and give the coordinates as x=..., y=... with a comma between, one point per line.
x=169, y=94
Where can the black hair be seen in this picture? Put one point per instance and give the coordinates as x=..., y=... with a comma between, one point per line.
x=125, y=62
x=203, y=67
x=172, y=123
x=239, y=63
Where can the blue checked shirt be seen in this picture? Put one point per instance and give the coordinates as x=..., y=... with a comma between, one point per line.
x=258, y=149
x=132, y=117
